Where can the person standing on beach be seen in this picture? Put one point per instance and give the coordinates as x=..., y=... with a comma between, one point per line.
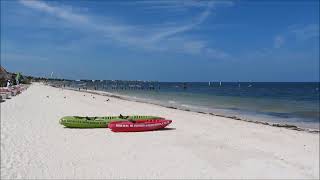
x=8, y=83
x=18, y=78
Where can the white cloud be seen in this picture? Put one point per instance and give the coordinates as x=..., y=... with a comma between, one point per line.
x=306, y=32
x=194, y=47
x=147, y=37
x=278, y=41
x=19, y=57
x=217, y=54
x=111, y=29
x=175, y=30
x=57, y=11
x=178, y=5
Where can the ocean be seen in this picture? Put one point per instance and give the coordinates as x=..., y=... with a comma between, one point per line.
x=294, y=103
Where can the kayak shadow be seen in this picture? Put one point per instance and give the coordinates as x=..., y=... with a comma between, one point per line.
x=150, y=131
x=166, y=129
x=156, y=130
x=163, y=129
x=82, y=128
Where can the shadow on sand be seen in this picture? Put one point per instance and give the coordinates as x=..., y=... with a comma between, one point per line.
x=163, y=129
x=85, y=128
x=166, y=129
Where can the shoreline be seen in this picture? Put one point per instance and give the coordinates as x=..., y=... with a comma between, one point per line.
x=278, y=125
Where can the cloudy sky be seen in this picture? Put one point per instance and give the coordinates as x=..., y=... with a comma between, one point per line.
x=164, y=40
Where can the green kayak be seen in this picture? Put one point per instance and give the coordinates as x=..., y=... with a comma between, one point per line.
x=98, y=122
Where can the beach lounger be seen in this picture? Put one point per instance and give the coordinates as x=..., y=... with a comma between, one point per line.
x=4, y=95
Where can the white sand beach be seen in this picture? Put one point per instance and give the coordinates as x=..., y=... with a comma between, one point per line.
x=35, y=145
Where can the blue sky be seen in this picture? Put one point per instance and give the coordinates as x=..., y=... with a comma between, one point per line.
x=164, y=40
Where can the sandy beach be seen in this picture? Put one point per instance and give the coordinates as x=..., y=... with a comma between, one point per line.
x=195, y=145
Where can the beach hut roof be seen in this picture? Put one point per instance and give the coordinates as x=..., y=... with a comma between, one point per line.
x=4, y=74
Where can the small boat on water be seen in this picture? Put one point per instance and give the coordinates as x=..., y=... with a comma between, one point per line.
x=138, y=125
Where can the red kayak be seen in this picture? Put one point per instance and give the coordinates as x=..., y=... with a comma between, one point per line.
x=138, y=125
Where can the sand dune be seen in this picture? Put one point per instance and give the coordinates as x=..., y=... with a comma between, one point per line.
x=35, y=145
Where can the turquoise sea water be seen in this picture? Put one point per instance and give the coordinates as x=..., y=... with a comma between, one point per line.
x=290, y=103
